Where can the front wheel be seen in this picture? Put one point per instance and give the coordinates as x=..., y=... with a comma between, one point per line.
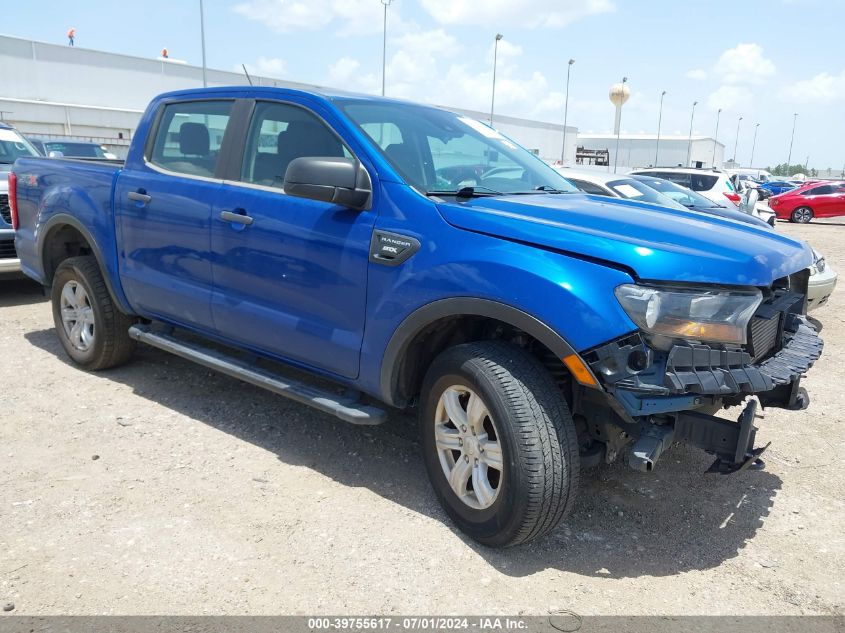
x=499, y=442
x=802, y=215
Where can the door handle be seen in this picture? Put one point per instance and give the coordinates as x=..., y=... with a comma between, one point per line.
x=236, y=218
x=139, y=196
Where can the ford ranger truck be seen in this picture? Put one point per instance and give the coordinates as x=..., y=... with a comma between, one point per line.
x=418, y=258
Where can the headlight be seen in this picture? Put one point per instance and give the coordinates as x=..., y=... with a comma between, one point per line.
x=681, y=313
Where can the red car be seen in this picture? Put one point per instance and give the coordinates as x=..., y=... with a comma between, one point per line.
x=813, y=200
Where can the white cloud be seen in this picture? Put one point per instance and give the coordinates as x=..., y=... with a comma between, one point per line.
x=266, y=67
x=743, y=64
x=823, y=89
x=520, y=13
x=734, y=98
x=353, y=17
x=698, y=74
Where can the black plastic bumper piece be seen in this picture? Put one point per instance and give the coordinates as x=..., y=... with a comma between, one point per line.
x=731, y=442
x=695, y=369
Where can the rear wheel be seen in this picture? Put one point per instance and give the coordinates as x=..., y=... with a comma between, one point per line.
x=93, y=331
x=499, y=443
x=802, y=215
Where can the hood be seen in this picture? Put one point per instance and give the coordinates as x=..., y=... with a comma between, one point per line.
x=657, y=243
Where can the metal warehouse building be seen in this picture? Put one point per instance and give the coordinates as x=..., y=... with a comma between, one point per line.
x=638, y=150
x=52, y=90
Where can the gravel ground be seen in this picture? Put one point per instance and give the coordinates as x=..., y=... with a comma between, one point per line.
x=162, y=488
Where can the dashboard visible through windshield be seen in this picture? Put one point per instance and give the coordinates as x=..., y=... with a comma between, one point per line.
x=441, y=152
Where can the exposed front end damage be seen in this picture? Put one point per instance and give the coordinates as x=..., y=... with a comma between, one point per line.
x=662, y=395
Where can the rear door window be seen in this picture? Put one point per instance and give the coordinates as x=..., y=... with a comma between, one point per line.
x=704, y=182
x=819, y=191
x=189, y=136
x=676, y=177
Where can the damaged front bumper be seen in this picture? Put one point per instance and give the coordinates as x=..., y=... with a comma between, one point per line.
x=659, y=396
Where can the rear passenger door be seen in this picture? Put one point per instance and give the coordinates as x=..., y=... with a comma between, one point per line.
x=163, y=213
x=289, y=273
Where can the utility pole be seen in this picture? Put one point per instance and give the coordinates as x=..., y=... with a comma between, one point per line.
x=202, y=37
x=386, y=4
x=791, y=139
x=753, y=145
x=659, y=121
x=565, y=112
x=689, y=141
x=736, y=141
x=715, y=138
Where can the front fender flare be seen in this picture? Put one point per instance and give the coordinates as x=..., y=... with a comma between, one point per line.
x=414, y=323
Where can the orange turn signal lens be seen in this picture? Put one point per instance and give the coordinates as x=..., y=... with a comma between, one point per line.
x=580, y=370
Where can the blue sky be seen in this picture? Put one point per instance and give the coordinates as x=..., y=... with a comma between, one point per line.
x=760, y=59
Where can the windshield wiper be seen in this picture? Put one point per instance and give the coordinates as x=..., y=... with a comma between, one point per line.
x=549, y=189
x=467, y=192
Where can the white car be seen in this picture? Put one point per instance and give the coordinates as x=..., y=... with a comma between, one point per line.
x=822, y=283
x=710, y=183
x=616, y=186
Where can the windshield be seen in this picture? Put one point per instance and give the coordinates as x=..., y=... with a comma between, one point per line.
x=14, y=146
x=681, y=195
x=79, y=150
x=442, y=152
x=633, y=190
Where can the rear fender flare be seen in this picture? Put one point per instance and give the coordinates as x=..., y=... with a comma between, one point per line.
x=55, y=223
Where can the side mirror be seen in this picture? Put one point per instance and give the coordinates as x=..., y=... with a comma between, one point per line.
x=342, y=181
x=55, y=154
x=749, y=201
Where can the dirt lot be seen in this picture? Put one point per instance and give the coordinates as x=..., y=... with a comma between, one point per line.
x=160, y=487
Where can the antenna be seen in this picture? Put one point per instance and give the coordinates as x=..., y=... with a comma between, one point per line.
x=248, y=78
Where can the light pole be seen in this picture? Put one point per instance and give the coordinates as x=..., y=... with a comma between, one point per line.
x=753, y=145
x=619, y=94
x=202, y=37
x=736, y=141
x=386, y=4
x=495, y=59
x=791, y=138
x=659, y=121
x=715, y=138
x=689, y=141
x=565, y=112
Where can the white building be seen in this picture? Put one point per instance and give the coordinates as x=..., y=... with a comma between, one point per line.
x=639, y=150
x=57, y=90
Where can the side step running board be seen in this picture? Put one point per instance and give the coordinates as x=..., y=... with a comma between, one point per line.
x=344, y=408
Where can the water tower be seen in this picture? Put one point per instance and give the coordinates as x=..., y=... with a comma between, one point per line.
x=619, y=94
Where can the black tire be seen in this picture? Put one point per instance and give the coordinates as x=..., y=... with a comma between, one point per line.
x=801, y=216
x=111, y=345
x=539, y=480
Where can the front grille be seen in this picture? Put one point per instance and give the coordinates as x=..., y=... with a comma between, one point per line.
x=5, y=209
x=765, y=331
x=7, y=249
x=763, y=335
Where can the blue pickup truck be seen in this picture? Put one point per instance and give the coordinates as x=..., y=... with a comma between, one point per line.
x=417, y=258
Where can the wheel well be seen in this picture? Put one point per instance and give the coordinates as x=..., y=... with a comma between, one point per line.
x=449, y=331
x=61, y=243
